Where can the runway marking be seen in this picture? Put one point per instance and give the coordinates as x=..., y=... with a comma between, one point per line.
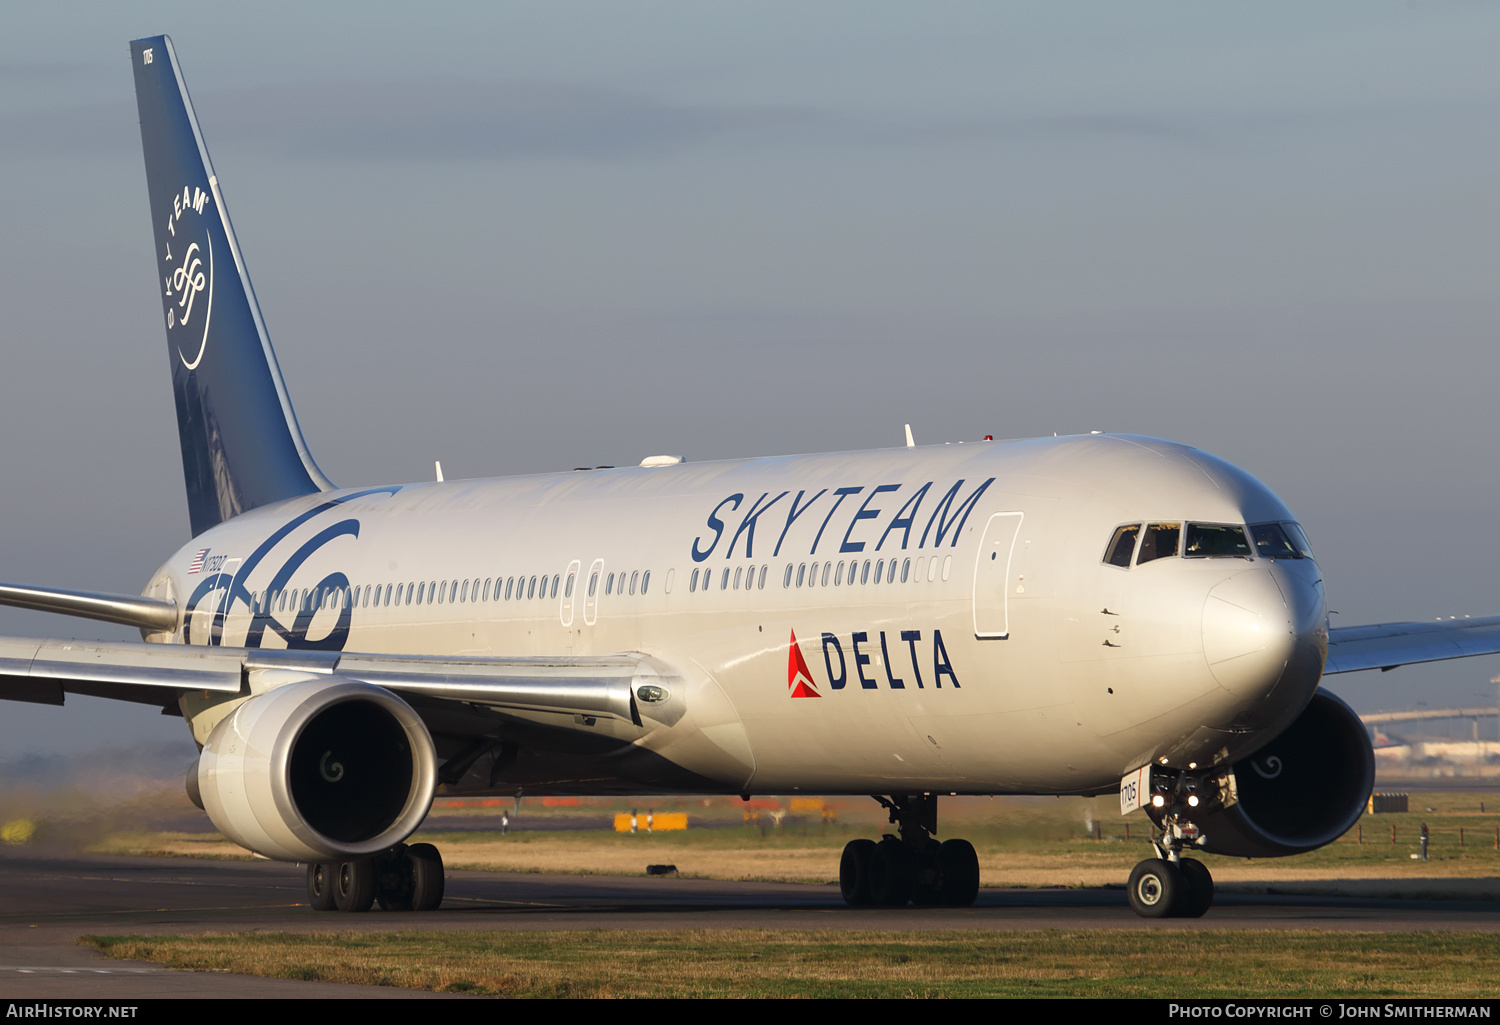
x=162, y=881
x=509, y=903
x=153, y=911
x=184, y=882
x=50, y=970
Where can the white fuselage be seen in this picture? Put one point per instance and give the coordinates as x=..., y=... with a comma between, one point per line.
x=997, y=653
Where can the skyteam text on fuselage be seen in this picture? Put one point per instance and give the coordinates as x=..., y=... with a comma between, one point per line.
x=1068, y=615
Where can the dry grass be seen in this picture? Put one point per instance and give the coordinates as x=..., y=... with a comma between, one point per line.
x=1021, y=843
x=590, y=854
x=172, y=845
x=716, y=963
x=1080, y=863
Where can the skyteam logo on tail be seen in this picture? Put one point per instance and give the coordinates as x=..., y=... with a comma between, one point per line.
x=188, y=273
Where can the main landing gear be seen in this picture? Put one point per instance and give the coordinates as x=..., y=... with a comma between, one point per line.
x=1170, y=885
x=912, y=867
x=402, y=879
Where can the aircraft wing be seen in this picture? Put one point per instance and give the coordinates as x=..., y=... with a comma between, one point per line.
x=1388, y=645
x=45, y=671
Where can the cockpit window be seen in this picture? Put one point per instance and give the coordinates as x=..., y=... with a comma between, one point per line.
x=1271, y=542
x=1160, y=542
x=1299, y=539
x=1216, y=541
x=1122, y=546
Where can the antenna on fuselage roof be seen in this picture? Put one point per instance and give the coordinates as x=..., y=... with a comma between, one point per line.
x=438, y=465
x=910, y=441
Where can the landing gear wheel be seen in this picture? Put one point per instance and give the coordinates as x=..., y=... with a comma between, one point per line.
x=1156, y=888
x=393, y=879
x=1199, y=889
x=409, y=878
x=960, y=874
x=320, y=885
x=928, y=891
x=427, y=876
x=893, y=873
x=854, y=872
x=354, y=885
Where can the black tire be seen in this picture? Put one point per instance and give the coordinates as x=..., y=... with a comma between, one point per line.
x=1155, y=889
x=960, y=871
x=928, y=891
x=354, y=885
x=854, y=872
x=1199, y=887
x=893, y=873
x=320, y=885
x=427, y=877
x=393, y=879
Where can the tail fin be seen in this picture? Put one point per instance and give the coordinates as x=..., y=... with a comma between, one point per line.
x=241, y=446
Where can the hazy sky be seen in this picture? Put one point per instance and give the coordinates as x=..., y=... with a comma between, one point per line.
x=520, y=237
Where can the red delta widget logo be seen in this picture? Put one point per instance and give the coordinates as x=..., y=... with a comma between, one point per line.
x=801, y=684
x=798, y=679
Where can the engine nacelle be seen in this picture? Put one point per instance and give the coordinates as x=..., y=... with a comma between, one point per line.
x=318, y=770
x=1303, y=790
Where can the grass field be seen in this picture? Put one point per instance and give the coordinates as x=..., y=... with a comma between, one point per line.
x=753, y=963
x=1021, y=842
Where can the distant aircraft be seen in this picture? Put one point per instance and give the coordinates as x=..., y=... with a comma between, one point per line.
x=1079, y=615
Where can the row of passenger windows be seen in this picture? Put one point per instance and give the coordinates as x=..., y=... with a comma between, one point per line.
x=747, y=574
x=1204, y=541
x=437, y=592
x=441, y=592
x=615, y=583
x=825, y=574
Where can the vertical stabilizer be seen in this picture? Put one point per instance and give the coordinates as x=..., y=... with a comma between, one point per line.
x=241, y=446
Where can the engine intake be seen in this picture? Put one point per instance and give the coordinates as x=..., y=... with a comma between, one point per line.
x=1302, y=791
x=318, y=770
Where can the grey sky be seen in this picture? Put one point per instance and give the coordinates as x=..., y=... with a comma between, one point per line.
x=520, y=237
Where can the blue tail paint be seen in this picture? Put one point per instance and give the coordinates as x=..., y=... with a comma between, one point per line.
x=241, y=446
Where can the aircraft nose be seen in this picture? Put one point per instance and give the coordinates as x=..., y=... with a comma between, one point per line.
x=1251, y=630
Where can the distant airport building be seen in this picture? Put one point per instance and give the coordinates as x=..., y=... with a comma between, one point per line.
x=1433, y=757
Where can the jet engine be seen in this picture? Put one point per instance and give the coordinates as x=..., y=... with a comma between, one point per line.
x=1300, y=792
x=318, y=770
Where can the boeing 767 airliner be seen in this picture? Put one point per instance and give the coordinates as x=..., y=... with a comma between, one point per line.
x=1075, y=615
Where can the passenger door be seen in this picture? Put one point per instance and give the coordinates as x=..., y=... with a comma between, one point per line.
x=992, y=575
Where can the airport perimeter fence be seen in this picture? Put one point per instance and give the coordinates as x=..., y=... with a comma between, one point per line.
x=1451, y=836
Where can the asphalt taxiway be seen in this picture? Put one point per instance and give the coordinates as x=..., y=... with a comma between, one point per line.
x=46, y=903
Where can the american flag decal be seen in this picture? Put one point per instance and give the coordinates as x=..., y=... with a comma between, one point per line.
x=198, y=560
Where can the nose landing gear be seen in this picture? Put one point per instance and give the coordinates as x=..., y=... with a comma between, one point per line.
x=912, y=867
x=1160, y=888
x=1170, y=885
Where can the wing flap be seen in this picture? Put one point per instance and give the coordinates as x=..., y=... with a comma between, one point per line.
x=43, y=671
x=586, y=685
x=1388, y=645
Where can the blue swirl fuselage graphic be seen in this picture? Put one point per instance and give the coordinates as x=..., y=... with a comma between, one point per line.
x=233, y=589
